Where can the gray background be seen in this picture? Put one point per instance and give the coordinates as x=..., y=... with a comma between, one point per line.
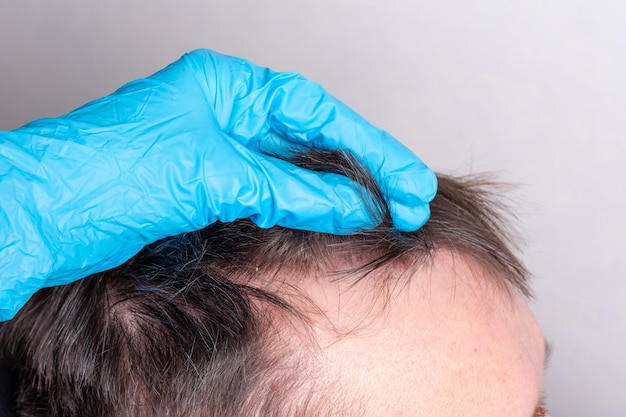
x=533, y=89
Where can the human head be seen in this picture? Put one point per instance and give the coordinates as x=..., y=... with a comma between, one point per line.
x=235, y=320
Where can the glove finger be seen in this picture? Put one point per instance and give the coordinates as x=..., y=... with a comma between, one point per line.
x=271, y=111
x=407, y=182
x=275, y=192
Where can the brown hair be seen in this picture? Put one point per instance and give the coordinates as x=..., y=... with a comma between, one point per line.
x=185, y=327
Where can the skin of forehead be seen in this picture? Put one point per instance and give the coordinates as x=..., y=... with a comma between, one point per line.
x=445, y=342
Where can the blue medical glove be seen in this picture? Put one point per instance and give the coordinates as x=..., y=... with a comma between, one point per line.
x=175, y=152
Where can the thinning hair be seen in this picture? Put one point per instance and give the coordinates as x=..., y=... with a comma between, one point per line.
x=188, y=326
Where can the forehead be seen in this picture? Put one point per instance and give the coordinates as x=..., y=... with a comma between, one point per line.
x=446, y=343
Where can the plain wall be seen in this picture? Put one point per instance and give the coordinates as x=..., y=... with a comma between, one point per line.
x=533, y=89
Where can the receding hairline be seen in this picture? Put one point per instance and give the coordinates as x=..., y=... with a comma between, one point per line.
x=469, y=219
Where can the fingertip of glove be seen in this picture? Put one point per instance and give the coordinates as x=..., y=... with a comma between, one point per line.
x=413, y=187
x=409, y=219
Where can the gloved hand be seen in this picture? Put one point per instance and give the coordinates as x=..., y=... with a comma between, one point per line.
x=175, y=152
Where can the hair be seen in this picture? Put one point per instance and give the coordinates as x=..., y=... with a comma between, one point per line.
x=189, y=327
